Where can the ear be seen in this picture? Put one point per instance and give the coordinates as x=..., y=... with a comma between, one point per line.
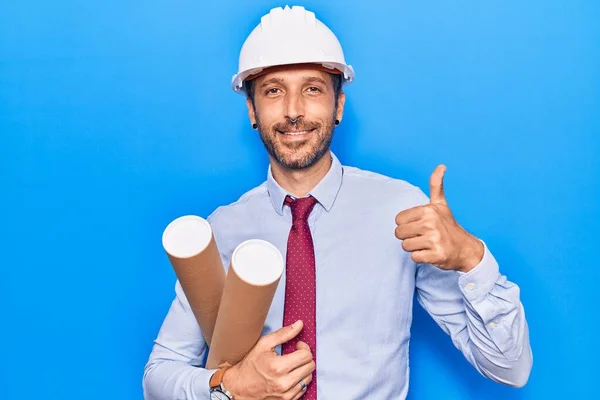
x=340, y=107
x=251, y=111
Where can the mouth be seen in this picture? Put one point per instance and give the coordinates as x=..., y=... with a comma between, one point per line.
x=296, y=133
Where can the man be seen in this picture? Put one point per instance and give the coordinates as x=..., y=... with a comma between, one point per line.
x=339, y=325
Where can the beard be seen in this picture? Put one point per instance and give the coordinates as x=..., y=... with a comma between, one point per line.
x=297, y=154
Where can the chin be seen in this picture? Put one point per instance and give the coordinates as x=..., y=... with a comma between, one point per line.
x=297, y=155
x=298, y=159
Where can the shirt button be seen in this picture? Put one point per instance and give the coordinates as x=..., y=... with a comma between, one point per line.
x=470, y=286
x=492, y=325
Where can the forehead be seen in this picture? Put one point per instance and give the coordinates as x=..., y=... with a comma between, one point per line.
x=293, y=74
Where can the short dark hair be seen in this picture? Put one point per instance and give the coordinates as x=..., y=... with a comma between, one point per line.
x=336, y=79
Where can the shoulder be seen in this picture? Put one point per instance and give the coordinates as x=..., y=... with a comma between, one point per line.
x=232, y=222
x=373, y=186
x=250, y=201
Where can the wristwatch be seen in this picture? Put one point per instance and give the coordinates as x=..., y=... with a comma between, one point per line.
x=217, y=390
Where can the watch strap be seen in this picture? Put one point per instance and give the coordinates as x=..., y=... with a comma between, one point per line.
x=217, y=378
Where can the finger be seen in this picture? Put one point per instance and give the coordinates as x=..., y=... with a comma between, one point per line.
x=301, y=391
x=416, y=244
x=297, y=391
x=410, y=230
x=282, y=335
x=300, y=345
x=423, y=256
x=298, y=396
x=304, y=374
x=301, y=356
x=410, y=215
x=436, y=185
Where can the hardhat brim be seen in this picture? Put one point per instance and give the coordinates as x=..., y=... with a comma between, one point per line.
x=319, y=67
x=237, y=82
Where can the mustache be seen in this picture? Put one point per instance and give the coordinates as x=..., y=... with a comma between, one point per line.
x=300, y=125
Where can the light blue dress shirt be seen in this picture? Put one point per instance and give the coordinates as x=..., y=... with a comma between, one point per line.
x=365, y=284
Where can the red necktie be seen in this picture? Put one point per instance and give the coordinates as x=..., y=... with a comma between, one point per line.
x=300, y=299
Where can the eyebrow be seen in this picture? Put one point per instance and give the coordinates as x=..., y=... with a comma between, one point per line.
x=272, y=80
x=306, y=79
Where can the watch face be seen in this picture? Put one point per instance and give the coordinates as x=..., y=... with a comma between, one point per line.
x=218, y=395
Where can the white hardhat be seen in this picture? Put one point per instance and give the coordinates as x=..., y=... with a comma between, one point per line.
x=290, y=36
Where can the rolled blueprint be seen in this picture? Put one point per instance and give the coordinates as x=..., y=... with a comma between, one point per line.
x=254, y=272
x=192, y=250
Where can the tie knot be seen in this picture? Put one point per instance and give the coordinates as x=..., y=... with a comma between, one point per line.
x=301, y=208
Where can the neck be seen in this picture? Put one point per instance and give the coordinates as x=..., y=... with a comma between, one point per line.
x=299, y=182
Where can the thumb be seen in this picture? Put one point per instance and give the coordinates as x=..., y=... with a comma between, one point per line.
x=284, y=334
x=436, y=185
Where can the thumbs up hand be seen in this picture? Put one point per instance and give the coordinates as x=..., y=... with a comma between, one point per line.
x=432, y=235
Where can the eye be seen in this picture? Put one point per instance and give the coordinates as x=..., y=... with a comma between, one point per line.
x=273, y=91
x=314, y=89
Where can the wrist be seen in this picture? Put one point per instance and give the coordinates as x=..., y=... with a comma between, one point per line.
x=228, y=382
x=218, y=387
x=471, y=254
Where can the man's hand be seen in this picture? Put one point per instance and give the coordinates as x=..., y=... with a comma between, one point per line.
x=432, y=235
x=263, y=374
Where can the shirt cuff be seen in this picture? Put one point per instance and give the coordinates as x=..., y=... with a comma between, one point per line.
x=479, y=281
x=202, y=383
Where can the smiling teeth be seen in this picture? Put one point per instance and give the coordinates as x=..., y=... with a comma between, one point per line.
x=295, y=133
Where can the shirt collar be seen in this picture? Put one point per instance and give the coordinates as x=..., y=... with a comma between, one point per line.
x=325, y=191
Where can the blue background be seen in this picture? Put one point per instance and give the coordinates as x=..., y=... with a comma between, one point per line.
x=117, y=117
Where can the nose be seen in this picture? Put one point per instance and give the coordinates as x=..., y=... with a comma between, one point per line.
x=294, y=107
